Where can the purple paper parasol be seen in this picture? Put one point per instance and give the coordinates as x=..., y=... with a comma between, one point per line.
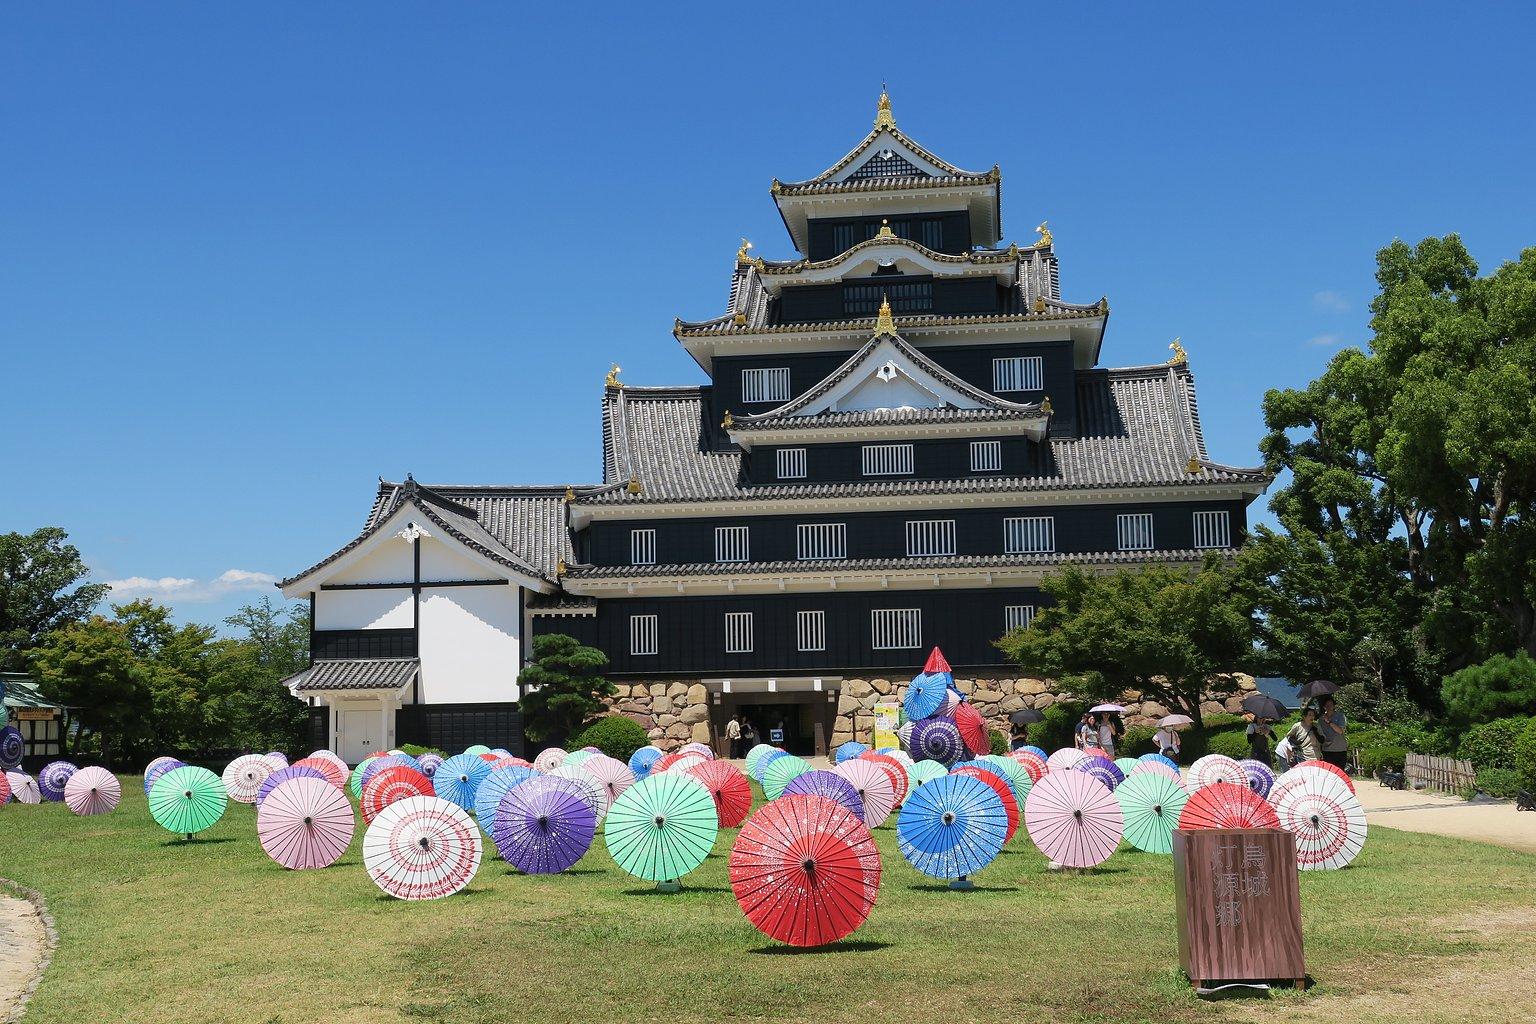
x=542, y=827
x=1261, y=779
x=53, y=778
x=937, y=739
x=282, y=775
x=830, y=785
x=1101, y=768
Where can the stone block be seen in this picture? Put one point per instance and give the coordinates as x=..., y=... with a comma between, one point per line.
x=1044, y=700
x=858, y=688
x=839, y=737
x=698, y=694
x=700, y=733
x=662, y=705
x=657, y=689
x=677, y=691
x=884, y=687
x=846, y=703
x=679, y=731
x=987, y=696
x=693, y=714
x=1030, y=687
x=667, y=721
x=1008, y=705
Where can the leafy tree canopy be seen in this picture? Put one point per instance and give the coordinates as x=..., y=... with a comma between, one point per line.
x=1163, y=632
x=40, y=591
x=1499, y=687
x=562, y=687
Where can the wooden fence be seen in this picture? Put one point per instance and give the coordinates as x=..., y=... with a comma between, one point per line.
x=1442, y=773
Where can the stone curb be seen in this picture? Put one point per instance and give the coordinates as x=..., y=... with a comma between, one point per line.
x=35, y=898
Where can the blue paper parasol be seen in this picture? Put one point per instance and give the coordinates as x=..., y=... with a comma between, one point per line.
x=830, y=785
x=541, y=826
x=1101, y=768
x=937, y=739
x=10, y=748
x=848, y=751
x=158, y=767
x=497, y=783
x=952, y=827
x=1036, y=750
x=457, y=778
x=53, y=778
x=643, y=760
x=767, y=759
x=990, y=768
x=429, y=763
x=1261, y=778
x=925, y=694
x=367, y=769
x=1160, y=759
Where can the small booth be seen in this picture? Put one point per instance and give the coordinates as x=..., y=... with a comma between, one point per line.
x=43, y=724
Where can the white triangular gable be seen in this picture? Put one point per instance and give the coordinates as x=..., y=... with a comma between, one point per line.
x=889, y=379
x=882, y=142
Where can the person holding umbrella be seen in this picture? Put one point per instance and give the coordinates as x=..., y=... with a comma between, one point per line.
x=1334, y=729
x=1302, y=740
x=1166, y=739
x=1021, y=720
x=1262, y=710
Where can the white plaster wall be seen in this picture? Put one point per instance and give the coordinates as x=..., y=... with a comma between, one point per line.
x=440, y=562
x=364, y=609
x=388, y=561
x=469, y=644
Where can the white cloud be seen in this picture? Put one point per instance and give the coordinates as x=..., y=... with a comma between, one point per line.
x=1330, y=301
x=1326, y=341
x=189, y=590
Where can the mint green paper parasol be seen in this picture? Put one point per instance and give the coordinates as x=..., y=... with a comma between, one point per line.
x=187, y=800
x=1018, y=778
x=780, y=772
x=662, y=827
x=1150, y=803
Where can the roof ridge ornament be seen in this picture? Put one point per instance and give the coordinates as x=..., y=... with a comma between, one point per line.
x=1045, y=405
x=570, y=494
x=741, y=254
x=1044, y=231
x=1194, y=467
x=612, y=380
x=634, y=486
x=885, y=229
x=884, y=322
x=729, y=421
x=1179, y=357
x=883, y=116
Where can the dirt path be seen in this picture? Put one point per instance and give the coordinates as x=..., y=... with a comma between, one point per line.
x=23, y=953
x=1437, y=813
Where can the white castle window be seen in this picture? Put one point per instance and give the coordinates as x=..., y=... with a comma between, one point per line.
x=642, y=634
x=765, y=385
x=1018, y=616
x=791, y=463
x=930, y=537
x=1133, y=531
x=1026, y=535
x=1018, y=373
x=738, y=632
x=811, y=631
x=887, y=459
x=1213, y=530
x=896, y=629
x=731, y=544
x=642, y=547
x=821, y=540
x=986, y=456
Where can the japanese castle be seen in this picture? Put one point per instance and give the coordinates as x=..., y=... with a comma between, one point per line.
x=904, y=427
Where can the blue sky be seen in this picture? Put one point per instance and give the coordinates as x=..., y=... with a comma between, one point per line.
x=252, y=257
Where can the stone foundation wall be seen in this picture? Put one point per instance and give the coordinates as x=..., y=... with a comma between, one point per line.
x=672, y=713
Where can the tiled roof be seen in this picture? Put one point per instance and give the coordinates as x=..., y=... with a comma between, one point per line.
x=849, y=565
x=1138, y=427
x=791, y=413
x=952, y=175
x=357, y=674
x=521, y=527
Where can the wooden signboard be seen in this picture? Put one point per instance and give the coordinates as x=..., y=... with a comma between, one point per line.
x=35, y=714
x=1239, y=905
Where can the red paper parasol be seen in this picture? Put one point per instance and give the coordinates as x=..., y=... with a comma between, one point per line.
x=895, y=770
x=385, y=787
x=805, y=870
x=1073, y=819
x=936, y=662
x=1227, y=805
x=973, y=729
x=335, y=774
x=1332, y=769
x=1032, y=763
x=1005, y=794
x=730, y=789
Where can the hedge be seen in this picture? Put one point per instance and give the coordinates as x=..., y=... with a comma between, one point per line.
x=1373, y=759
x=1492, y=744
x=1525, y=755
x=1499, y=782
x=616, y=735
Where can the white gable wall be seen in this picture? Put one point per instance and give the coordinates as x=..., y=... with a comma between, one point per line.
x=470, y=644
x=363, y=609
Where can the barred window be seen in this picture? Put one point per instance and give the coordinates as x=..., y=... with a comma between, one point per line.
x=642, y=547
x=811, y=631
x=1213, y=530
x=1027, y=535
x=731, y=544
x=896, y=629
x=1133, y=531
x=642, y=634
x=1018, y=373
x=863, y=298
x=887, y=459
x=821, y=540
x=932, y=232
x=930, y=537
x=738, y=632
x=986, y=456
x=765, y=385
x=791, y=463
x=1018, y=616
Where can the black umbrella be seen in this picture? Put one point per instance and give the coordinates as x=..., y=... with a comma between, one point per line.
x=1316, y=688
x=1260, y=706
x=1026, y=716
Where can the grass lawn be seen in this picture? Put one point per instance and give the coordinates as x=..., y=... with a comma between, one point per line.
x=155, y=929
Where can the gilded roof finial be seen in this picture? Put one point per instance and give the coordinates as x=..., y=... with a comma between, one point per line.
x=1039, y=304
x=634, y=486
x=885, y=323
x=728, y=421
x=739, y=319
x=570, y=494
x=741, y=254
x=1045, y=405
x=885, y=229
x=1194, y=467
x=560, y=567
x=883, y=116
x=612, y=380
x=1180, y=357
x=1044, y=232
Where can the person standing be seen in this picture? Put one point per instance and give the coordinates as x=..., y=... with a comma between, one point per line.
x=1087, y=734
x=1259, y=736
x=733, y=734
x=1166, y=740
x=1305, y=745
x=1107, y=735
x=1333, y=727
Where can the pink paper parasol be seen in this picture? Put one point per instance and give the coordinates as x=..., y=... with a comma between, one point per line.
x=874, y=787
x=305, y=823
x=92, y=791
x=24, y=788
x=1064, y=758
x=1214, y=768
x=335, y=774
x=1074, y=819
x=610, y=773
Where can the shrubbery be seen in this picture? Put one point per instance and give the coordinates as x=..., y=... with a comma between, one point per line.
x=1499, y=687
x=1499, y=782
x=1492, y=744
x=1525, y=755
x=415, y=750
x=1231, y=742
x=999, y=741
x=1374, y=759
x=616, y=735
x=1055, y=731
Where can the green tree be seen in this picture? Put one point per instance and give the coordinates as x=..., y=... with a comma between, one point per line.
x=92, y=668
x=40, y=591
x=562, y=687
x=277, y=636
x=1499, y=687
x=1167, y=633
x=254, y=710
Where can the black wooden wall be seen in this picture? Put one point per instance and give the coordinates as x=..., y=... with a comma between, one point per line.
x=691, y=631
x=978, y=531
x=955, y=228
x=948, y=459
x=452, y=727
x=362, y=643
